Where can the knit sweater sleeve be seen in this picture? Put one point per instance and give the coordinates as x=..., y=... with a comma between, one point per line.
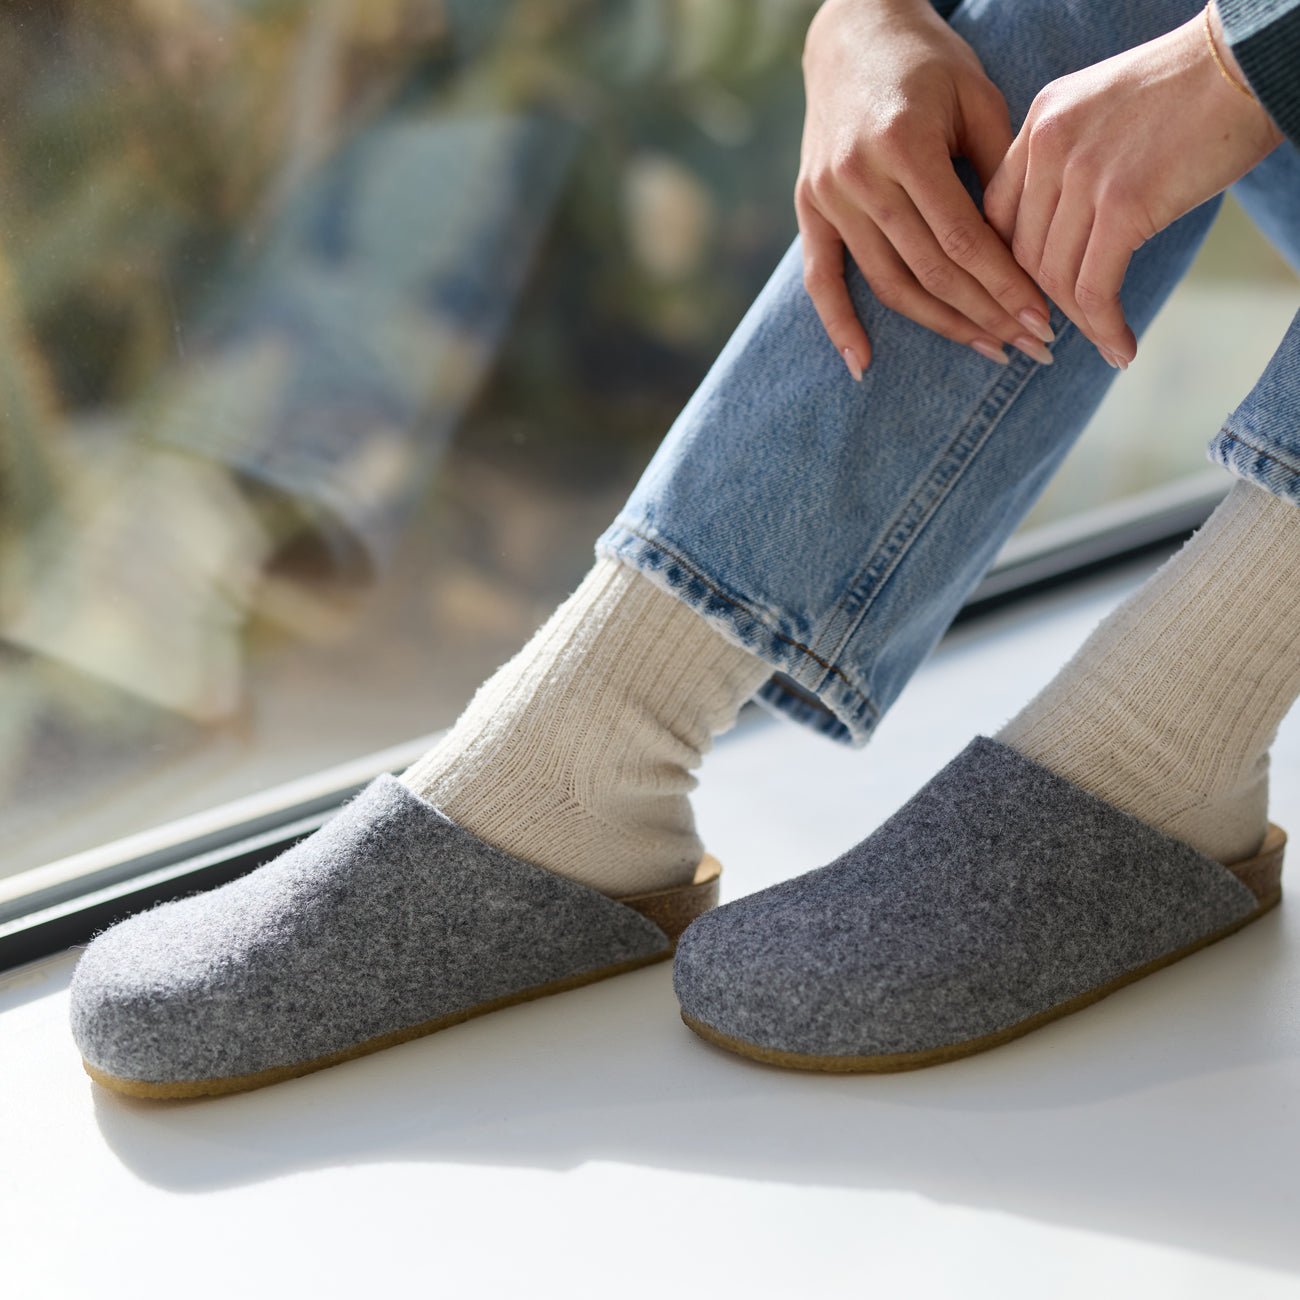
x=1265, y=37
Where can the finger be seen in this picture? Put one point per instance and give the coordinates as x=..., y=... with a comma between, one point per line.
x=1040, y=195
x=966, y=239
x=1101, y=275
x=892, y=282
x=944, y=280
x=986, y=133
x=823, y=277
x=1058, y=272
x=1002, y=195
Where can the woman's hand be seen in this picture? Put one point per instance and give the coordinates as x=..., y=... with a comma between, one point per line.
x=1111, y=155
x=893, y=95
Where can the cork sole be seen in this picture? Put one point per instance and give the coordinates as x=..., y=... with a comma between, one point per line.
x=672, y=910
x=1261, y=874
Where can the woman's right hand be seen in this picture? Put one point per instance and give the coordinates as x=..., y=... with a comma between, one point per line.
x=894, y=94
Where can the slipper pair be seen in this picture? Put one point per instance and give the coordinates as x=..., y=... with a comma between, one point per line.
x=1000, y=897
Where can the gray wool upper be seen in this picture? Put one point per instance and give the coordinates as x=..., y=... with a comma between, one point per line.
x=998, y=891
x=387, y=916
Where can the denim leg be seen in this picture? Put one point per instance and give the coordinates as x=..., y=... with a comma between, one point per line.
x=1260, y=440
x=1270, y=193
x=835, y=528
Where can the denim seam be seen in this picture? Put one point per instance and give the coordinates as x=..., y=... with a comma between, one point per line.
x=948, y=470
x=1228, y=431
x=677, y=557
x=775, y=694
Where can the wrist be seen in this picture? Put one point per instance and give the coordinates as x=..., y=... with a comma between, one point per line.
x=856, y=24
x=1219, y=51
x=1220, y=38
x=832, y=11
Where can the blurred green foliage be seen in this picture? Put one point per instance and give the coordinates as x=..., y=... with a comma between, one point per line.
x=148, y=146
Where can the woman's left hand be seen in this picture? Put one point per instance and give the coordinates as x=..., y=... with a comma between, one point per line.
x=1111, y=155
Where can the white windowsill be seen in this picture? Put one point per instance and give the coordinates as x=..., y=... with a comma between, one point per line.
x=589, y=1145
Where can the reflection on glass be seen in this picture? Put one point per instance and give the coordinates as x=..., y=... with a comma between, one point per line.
x=258, y=260
x=331, y=334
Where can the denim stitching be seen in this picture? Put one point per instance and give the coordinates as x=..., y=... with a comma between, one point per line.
x=955, y=460
x=1266, y=452
x=678, y=558
x=821, y=719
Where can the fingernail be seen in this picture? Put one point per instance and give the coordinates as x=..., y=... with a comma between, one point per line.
x=854, y=365
x=1033, y=348
x=992, y=351
x=1036, y=321
x=1113, y=359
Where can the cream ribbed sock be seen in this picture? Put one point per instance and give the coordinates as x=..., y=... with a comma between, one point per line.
x=1169, y=707
x=577, y=754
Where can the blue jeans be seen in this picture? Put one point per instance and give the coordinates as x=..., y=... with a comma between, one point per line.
x=835, y=528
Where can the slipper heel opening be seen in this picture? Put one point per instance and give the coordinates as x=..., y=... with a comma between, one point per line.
x=672, y=910
x=1262, y=873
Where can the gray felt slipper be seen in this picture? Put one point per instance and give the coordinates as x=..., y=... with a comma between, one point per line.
x=998, y=898
x=388, y=923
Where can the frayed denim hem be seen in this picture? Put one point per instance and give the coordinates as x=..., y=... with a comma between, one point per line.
x=804, y=688
x=1248, y=458
x=782, y=695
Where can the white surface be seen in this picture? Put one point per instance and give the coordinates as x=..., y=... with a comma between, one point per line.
x=589, y=1145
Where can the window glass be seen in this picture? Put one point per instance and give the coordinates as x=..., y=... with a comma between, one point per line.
x=1200, y=357
x=333, y=331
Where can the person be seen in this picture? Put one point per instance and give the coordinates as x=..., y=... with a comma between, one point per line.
x=994, y=200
